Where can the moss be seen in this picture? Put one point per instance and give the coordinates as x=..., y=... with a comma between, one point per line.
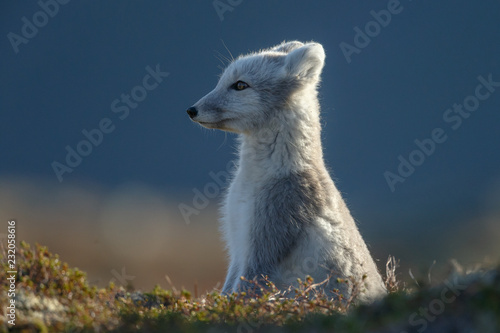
x=52, y=297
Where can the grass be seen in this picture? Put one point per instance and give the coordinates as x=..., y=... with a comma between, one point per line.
x=53, y=297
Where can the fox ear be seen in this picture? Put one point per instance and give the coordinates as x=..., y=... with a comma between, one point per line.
x=287, y=47
x=306, y=61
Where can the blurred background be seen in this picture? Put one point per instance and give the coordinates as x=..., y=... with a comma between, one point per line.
x=99, y=161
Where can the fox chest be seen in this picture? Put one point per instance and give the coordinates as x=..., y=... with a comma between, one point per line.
x=239, y=219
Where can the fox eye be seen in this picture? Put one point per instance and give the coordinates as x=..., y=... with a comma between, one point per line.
x=240, y=85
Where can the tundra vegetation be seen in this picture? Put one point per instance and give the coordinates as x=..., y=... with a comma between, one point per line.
x=51, y=296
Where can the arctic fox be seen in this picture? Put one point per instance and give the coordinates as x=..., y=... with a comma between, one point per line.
x=283, y=217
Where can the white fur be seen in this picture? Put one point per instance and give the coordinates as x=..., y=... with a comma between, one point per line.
x=277, y=118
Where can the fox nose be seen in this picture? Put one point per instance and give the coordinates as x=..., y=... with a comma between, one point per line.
x=192, y=112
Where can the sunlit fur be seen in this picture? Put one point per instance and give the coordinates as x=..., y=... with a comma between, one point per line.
x=283, y=216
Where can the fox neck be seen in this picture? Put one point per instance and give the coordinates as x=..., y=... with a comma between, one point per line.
x=290, y=143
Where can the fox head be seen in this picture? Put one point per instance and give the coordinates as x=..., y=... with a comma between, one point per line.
x=257, y=86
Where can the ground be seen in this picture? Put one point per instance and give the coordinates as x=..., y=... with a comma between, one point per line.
x=52, y=297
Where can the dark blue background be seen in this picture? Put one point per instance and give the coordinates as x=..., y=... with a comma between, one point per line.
x=393, y=92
